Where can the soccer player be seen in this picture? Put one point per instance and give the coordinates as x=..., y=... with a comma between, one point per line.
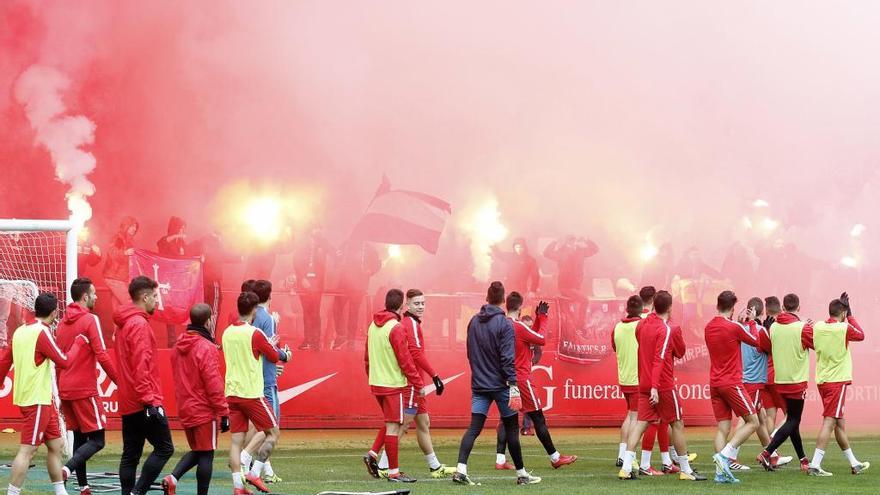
x=243, y=345
x=393, y=376
x=412, y=328
x=789, y=341
x=727, y=392
x=267, y=323
x=626, y=347
x=754, y=363
x=140, y=395
x=831, y=340
x=658, y=344
x=491, y=356
x=531, y=404
x=32, y=349
x=201, y=403
x=770, y=398
x=77, y=386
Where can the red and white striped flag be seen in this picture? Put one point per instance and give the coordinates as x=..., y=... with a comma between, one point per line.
x=403, y=217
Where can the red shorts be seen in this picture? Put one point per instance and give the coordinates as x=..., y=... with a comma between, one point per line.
x=422, y=403
x=83, y=415
x=770, y=398
x=833, y=398
x=40, y=424
x=667, y=409
x=796, y=391
x=257, y=411
x=395, y=405
x=530, y=400
x=631, y=396
x=202, y=437
x=730, y=398
x=754, y=391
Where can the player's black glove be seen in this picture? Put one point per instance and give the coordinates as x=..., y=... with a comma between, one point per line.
x=543, y=308
x=224, y=424
x=844, y=298
x=438, y=384
x=157, y=414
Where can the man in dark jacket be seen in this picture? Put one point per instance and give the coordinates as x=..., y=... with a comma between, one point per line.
x=569, y=256
x=140, y=394
x=174, y=242
x=491, y=355
x=521, y=267
x=310, y=265
x=201, y=401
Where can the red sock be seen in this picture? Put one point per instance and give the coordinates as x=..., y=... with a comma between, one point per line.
x=648, y=437
x=379, y=441
x=663, y=436
x=391, y=443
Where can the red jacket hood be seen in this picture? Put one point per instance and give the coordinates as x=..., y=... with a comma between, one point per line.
x=189, y=341
x=124, y=313
x=74, y=312
x=786, y=318
x=384, y=316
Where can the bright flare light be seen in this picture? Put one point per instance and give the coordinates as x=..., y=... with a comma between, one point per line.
x=857, y=230
x=760, y=203
x=849, y=261
x=394, y=251
x=648, y=252
x=769, y=225
x=263, y=217
x=483, y=226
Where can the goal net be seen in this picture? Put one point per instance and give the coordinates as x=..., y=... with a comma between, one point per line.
x=36, y=256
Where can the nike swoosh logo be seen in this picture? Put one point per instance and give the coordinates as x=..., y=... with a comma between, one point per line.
x=430, y=389
x=286, y=395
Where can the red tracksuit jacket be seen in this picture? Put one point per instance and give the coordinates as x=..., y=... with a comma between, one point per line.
x=199, y=386
x=659, y=343
x=46, y=348
x=415, y=342
x=79, y=380
x=137, y=360
x=525, y=338
x=397, y=338
x=723, y=338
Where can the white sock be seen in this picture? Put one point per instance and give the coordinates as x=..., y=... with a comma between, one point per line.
x=383, y=460
x=736, y=452
x=522, y=472
x=672, y=452
x=246, y=459
x=685, y=464
x=628, y=458
x=500, y=458
x=267, y=469
x=775, y=453
x=392, y=472
x=461, y=468
x=432, y=460
x=236, y=480
x=554, y=456
x=59, y=488
x=257, y=468
x=173, y=479
x=848, y=453
x=621, y=450
x=12, y=490
x=65, y=469
x=646, y=459
x=664, y=456
x=818, y=454
x=729, y=451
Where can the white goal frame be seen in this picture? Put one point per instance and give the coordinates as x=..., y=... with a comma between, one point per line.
x=70, y=256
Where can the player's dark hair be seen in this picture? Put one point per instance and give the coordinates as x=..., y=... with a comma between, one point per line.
x=246, y=303
x=393, y=300
x=773, y=305
x=757, y=304
x=836, y=308
x=647, y=294
x=263, y=290
x=495, y=293
x=662, y=302
x=79, y=288
x=44, y=305
x=199, y=314
x=726, y=301
x=514, y=301
x=791, y=302
x=248, y=285
x=634, y=305
x=139, y=286
x=414, y=293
